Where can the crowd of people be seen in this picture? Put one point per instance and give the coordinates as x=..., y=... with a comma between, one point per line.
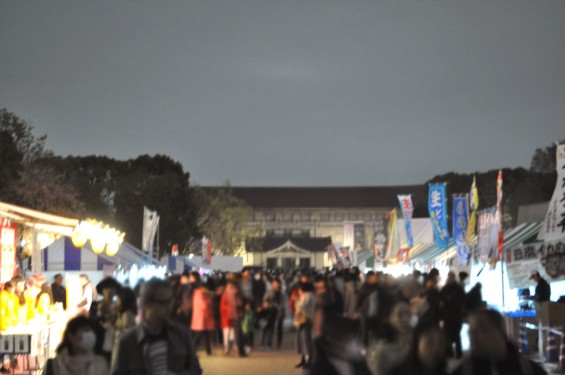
x=345, y=322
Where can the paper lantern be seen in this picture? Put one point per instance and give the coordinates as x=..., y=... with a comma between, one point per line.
x=97, y=245
x=79, y=238
x=112, y=248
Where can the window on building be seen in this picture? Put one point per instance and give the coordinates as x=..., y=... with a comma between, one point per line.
x=287, y=217
x=305, y=217
x=269, y=216
x=288, y=263
x=352, y=217
x=339, y=217
x=270, y=233
x=272, y=263
x=305, y=233
x=287, y=232
x=304, y=263
x=325, y=218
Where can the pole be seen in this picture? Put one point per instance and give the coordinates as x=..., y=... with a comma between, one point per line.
x=502, y=275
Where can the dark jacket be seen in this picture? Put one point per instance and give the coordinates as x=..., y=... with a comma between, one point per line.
x=514, y=364
x=181, y=356
x=452, y=302
x=543, y=291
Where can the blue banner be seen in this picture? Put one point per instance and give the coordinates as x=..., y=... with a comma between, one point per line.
x=437, y=207
x=460, y=224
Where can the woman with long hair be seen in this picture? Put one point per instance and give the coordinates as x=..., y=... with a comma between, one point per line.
x=125, y=309
x=75, y=354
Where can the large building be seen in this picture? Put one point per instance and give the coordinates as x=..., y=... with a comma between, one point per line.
x=297, y=224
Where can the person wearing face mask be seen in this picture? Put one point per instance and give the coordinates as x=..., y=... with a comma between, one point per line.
x=75, y=354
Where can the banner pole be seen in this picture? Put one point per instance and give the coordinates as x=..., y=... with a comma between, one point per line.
x=502, y=275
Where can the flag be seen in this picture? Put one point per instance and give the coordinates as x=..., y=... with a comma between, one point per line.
x=207, y=250
x=438, y=214
x=379, y=242
x=460, y=224
x=486, y=234
x=407, y=210
x=348, y=235
x=473, y=207
x=335, y=257
x=553, y=227
x=150, y=224
x=393, y=244
x=500, y=242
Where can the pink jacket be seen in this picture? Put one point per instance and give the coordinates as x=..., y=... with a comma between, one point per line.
x=202, y=316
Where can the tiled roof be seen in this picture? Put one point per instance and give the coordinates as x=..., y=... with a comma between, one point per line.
x=333, y=197
x=263, y=244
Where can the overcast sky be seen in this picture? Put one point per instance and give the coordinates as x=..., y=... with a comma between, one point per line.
x=278, y=92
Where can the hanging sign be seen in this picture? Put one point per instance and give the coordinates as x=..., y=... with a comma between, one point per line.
x=553, y=227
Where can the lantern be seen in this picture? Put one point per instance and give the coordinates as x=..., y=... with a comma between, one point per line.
x=78, y=237
x=97, y=244
x=112, y=248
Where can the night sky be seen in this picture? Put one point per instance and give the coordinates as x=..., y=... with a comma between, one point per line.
x=294, y=93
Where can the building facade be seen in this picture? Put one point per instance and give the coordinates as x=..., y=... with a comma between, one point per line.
x=297, y=224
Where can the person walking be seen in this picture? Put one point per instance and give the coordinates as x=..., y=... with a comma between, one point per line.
x=202, y=316
x=75, y=354
x=303, y=318
x=278, y=301
x=491, y=351
x=157, y=346
x=452, y=310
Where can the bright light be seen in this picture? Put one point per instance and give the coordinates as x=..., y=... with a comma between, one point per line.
x=101, y=236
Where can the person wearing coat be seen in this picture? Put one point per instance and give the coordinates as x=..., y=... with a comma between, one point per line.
x=202, y=317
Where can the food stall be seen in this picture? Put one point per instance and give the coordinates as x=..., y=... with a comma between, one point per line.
x=33, y=337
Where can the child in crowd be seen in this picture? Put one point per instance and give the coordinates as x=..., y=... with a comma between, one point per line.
x=266, y=317
x=247, y=327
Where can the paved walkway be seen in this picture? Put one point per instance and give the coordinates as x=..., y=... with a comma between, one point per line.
x=273, y=362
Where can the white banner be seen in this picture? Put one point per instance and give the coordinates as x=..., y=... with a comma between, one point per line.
x=547, y=258
x=553, y=227
x=150, y=224
x=348, y=235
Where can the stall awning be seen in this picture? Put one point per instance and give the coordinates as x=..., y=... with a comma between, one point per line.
x=62, y=255
x=512, y=237
x=38, y=219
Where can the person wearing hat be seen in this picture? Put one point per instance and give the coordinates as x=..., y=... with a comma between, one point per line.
x=541, y=298
x=543, y=290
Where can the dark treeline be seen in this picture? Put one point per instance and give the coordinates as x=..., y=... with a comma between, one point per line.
x=115, y=191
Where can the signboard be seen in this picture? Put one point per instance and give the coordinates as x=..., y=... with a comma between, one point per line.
x=547, y=258
x=553, y=227
x=15, y=344
x=7, y=252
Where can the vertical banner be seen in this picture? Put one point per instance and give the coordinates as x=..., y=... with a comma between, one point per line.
x=437, y=207
x=460, y=225
x=393, y=243
x=335, y=256
x=358, y=241
x=473, y=207
x=487, y=233
x=348, y=235
x=379, y=242
x=553, y=227
x=7, y=251
x=150, y=224
x=500, y=234
x=407, y=210
x=206, y=250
